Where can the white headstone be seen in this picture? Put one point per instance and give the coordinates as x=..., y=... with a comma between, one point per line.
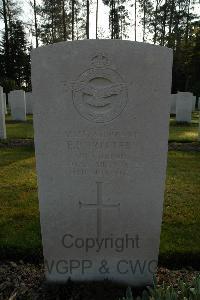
x=29, y=104
x=173, y=104
x=193, y=102
x=5, y=105
x=18, y=105
x=183, y=107
x=2, y=116
x=101, y=116
x=9, y=105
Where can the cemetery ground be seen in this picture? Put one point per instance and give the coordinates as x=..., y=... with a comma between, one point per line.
x=20, y=239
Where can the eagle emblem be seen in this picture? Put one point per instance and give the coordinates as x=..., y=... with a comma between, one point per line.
x=99, y=94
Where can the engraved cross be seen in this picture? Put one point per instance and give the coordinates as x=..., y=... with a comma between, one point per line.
x=99, y=206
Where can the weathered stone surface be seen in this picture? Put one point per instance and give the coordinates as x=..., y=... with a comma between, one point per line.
x=18, y=105
x=5, y=105
x=193, y=102
x=101, y=114
x=29, y=103
x=184, y=107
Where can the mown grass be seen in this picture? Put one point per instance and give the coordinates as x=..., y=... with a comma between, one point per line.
x=182, y=132
x=180, y=238
x=19, y=130
x=19, y=213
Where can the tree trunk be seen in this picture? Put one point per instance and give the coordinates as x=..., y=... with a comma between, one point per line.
x=164, y=24
x=170, y=44
x=135, y=20
x=36, y=25
x=97, y=12
x=112, y=19
x=64, y=21
x=77, y=32
x=144, y=20
x=6, y=37
x=52, y=27
x=187, y=23
x=155, y=22
x=88, y=20
x=73, y=19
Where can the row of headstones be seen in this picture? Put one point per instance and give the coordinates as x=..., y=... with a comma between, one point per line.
x=182, y=105
x=20, y=104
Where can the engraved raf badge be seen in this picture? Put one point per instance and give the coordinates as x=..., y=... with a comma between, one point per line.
x=99, y=94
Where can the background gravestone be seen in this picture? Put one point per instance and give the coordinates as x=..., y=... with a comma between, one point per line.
x=184, y=107
x=193, y=102
x=29, y=104
x=5, y=104
x=101, y=115
x=173, y=104
x=18, y=105
x=2, y=116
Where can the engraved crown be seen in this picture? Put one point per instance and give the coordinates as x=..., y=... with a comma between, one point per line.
x=100, y=60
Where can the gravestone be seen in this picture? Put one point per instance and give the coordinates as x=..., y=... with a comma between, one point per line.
x=101, y=114
x=18, y=105
x=9, y=105
x=193, y=102
x=29, y=104
x=173, y=104
x=2, y=116
x=184, y=107
x=5, y=105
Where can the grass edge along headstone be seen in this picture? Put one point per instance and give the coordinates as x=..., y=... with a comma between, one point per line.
x=101, y=118
x=2, y=116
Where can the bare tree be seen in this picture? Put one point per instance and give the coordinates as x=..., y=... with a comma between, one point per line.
x=88, y=20
x=35, y=23
x=5, y=17
x=64, y=21
x=135, y=20
x=156, y=20
x=73, y=14
x=97, y=12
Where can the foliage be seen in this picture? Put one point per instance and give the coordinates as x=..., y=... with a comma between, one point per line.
x=14, y=57
x=170, y=23
x=118, y=19
x=165, y=292
x=55, y=22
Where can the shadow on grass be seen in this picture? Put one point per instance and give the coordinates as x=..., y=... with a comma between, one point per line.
x=19, y=122
x=183, y=124
x=13, y=155
x=179, y=260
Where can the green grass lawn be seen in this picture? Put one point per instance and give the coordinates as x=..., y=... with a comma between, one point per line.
x=180, y=238
x=19, y=215
x=19, y=130
x=184, y=132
